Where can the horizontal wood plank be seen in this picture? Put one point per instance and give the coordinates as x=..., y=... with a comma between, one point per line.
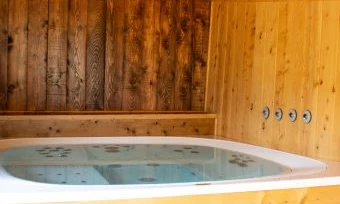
x=199, y=125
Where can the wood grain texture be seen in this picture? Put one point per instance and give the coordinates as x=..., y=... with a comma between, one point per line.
x=184, y=65
x=95, y=68
x=150, y=54
x=37, y=54
x=105, y=55
x=200, y=125
x=116, y=36
x=317, y=195
x=17, y=54
x=167, y=51
x=57, y=55
x=201, y=27
x=77, y=38
x=143, y=39
x=284, y=55
x=3, y=53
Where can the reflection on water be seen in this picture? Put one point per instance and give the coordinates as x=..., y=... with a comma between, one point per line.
x=119, y=164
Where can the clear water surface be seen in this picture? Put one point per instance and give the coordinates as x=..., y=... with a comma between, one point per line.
x=118, y=164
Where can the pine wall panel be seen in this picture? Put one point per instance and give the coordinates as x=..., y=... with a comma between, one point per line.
x=67, y=55
x=280, y=54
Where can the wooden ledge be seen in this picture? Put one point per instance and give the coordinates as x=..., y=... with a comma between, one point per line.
x=97, y=112
x=99, y=125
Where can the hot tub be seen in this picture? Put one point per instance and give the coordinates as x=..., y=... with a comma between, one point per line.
x=62, y=169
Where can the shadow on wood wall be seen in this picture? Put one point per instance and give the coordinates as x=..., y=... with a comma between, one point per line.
x=103, y=54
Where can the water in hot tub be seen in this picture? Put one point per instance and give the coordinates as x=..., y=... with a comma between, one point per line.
x=118, y=164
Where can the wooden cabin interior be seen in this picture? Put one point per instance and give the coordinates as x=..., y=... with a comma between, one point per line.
x=203, y=68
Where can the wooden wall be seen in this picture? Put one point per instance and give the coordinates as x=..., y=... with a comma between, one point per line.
x=103, y=54
x=281, y=54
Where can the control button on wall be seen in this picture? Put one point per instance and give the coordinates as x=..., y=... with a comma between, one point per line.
x=278, y=114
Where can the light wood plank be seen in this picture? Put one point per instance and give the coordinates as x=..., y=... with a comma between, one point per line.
x=200, y=125
x=247, y=71
x=311, y=78
x=327, y=74
x=255, y=122
x=223, y=60
x=269, y=72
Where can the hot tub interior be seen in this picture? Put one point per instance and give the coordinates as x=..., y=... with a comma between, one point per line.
x=119, y=164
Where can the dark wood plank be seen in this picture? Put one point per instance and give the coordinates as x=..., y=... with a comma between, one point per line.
x=37, y=54
x=167, y=67
x=150, y=54
x=200, y=49
x=184, y=55
x=3, y=53
x=132, y=98
x=116, y=35
x=77, y=23
x=57, y=55
x=95, y=55
x=142, y=64
x=17, y=55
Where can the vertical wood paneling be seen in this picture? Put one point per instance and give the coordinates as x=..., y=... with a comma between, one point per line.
x=311, y=79
x=77, y=35
x=229, y=74
x=238, y=59
x=150, y=55
x=95, y=55
x=248, y=64
x=281, y=71
x=257, y=70
x=294, y=65
x=200, y=50
x=143, y=38
x=167, y=51
x=210, y=100
x=184, y=63
x=295, y=57
x=57, y=55
x=17, y=54
x=327, y=73
x=96, y=32
x=223, y=58
x=135, y=42
x=3, y=53
x=336, y=127
x=37, y=54
x=115, y=54
x=269, y=36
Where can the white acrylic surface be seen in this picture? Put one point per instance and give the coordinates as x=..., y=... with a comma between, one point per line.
x=305, y=172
